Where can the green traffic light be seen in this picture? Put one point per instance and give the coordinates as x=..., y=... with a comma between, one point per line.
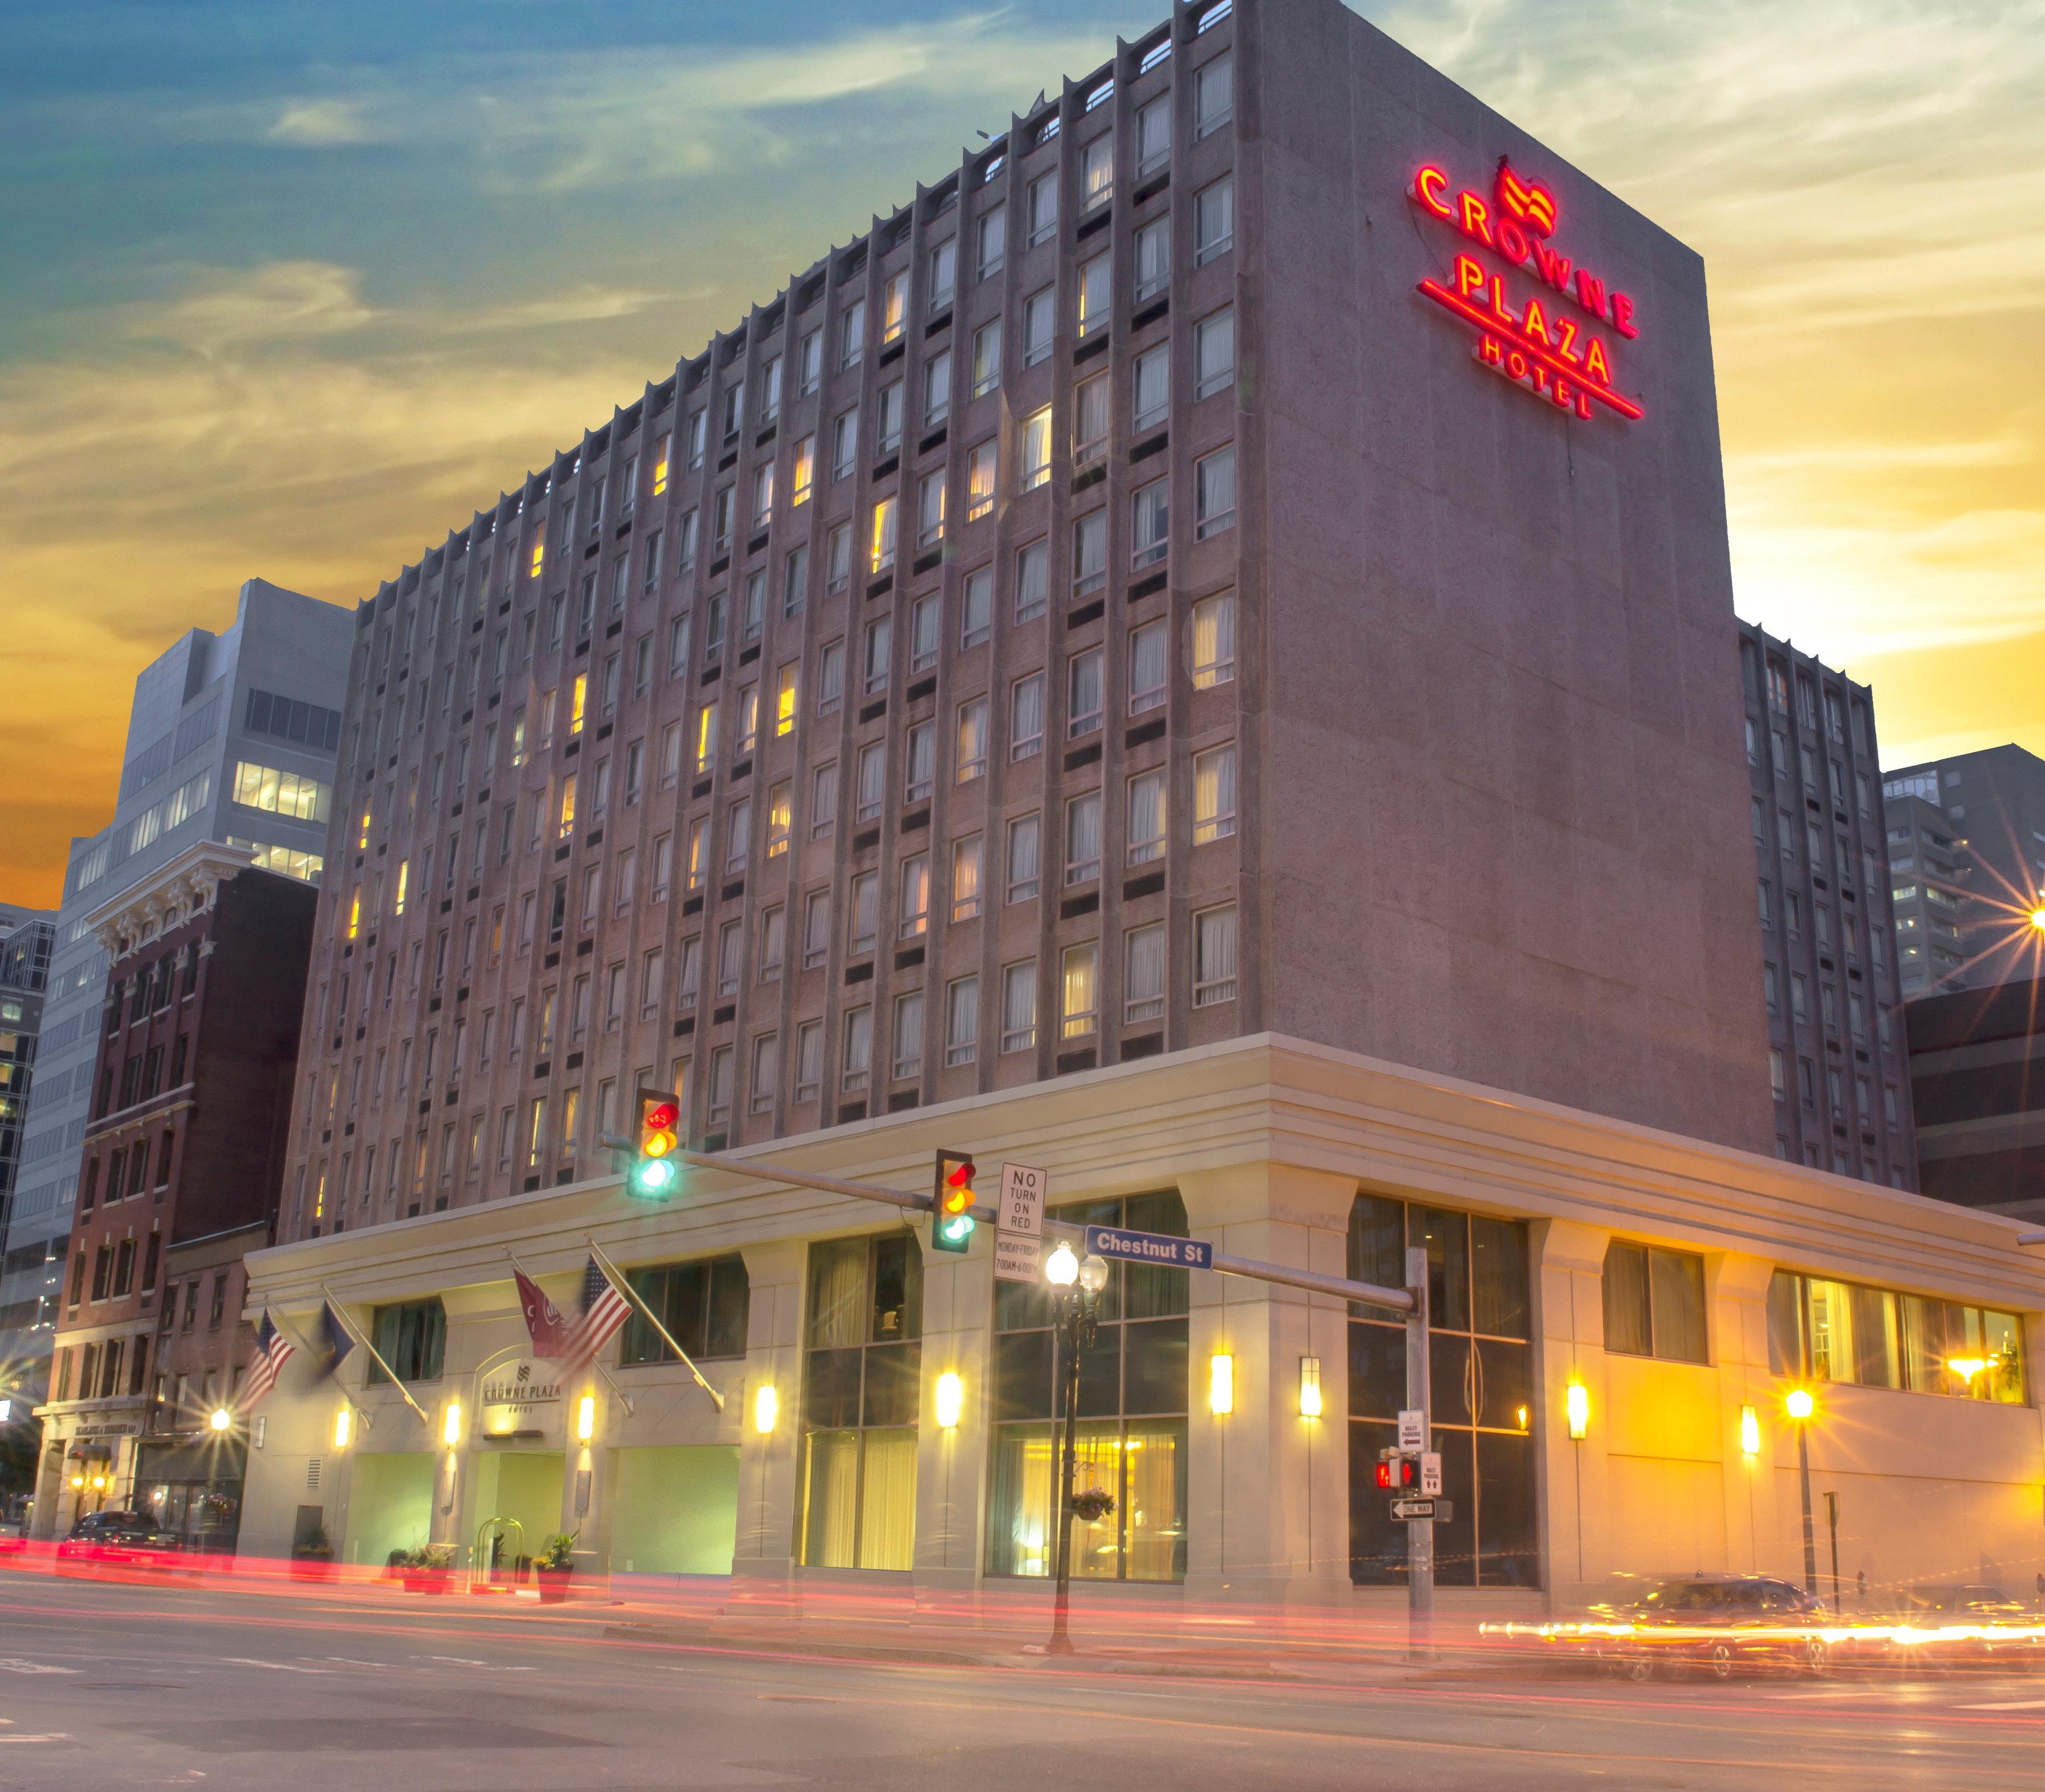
x=655, y=1178
x=956, y=1228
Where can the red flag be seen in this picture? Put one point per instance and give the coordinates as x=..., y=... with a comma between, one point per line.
x=543, y=1319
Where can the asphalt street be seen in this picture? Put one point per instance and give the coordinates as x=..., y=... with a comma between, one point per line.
x=302, y=1691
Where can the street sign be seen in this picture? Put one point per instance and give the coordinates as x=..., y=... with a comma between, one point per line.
x=1413, y=1429
x=1022, y=1193
x=1441, y=1511
x=1017, y=1258
x=1149, y=1247
x=1431, y=1472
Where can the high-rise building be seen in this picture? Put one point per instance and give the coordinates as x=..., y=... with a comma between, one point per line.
x=25, y=939
x=231, y=737
x=1978, y=1080
x=1196, y=657
x=1836, y=1054
x=1966, y=853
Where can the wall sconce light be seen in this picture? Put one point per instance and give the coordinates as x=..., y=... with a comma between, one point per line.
x=766, y=1407
x=342, y=1425
x=1310, y=1387
x=586, y=1419
x=1750, y=1431
x=1221, y=1384
x=1577, y=1403
x=951, y=1399
x=451, y=1427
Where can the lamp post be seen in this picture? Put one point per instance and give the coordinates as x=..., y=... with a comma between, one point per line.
x=1075, y=1295
x=1799, y=1405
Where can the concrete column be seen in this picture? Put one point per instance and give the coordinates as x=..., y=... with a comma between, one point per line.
x=769, y=1463
x=951, y=1465
x=1736, y=1289
x=1567, y=1270
x=1268, y=1489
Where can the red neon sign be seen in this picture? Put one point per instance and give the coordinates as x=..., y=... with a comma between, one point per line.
x=1540, y=345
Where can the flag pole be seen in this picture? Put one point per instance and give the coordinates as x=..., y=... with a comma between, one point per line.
x=624, y=1399
x=298, y=1343
x=617, y=1280
x=333, y=1300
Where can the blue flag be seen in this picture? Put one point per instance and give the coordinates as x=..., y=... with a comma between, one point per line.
x=336, y=1338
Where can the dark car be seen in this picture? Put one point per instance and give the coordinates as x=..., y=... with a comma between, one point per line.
x=118, y=1539
x=1946, y=1626
x=1716, y=1623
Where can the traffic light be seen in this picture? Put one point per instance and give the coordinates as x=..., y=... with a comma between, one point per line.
x=656, y=1173
x=1396, y=1472
x=951, y=1222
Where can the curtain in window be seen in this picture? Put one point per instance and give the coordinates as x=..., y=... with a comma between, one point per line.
x=1145, y=990
x=838, y=1294
x=1831, y=1332
x=831, y=1507
x=1677, y=1280
x=888, y=1517
x=1153, y=1499
x=1627, y=1327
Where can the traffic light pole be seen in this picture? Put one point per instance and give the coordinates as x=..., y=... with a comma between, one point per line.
x=1419, y=1531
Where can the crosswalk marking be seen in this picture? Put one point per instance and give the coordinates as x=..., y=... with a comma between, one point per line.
x=278, y=1666
x=12, y=1666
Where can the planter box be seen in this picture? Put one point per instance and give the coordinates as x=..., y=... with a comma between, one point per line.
x=553, y=1583
x=427, y=1580
x=313, y=1568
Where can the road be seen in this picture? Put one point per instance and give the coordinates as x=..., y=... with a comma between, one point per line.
x=296, y=1691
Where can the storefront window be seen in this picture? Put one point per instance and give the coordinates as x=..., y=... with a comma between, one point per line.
x=702, y=1305
x=1848, y=1331
x=1482, y=1380
x=859, y=1403
x=1131, y=1417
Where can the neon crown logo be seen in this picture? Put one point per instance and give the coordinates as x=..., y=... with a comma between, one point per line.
x=1527, y=201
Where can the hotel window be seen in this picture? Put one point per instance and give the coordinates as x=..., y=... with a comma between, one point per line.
x=1043, y=208
x=720, y=1086
x=913, y=918
x=1484, y=1400
x=805, y=481
x=1846, y=1331
x=1085, y=693
x=1214, y=641
x=1018, y=1005
x=888, y=426
x=986, y=358
x=766, y=1073
x=816, y=928
x=1213, y=221
x=685, y=542
x=661, y=467
x=1153, y=257
x=753, y=622
x=973, y=740
x=1035, y=437
x=698, y=434
x=1214, y=956
x=1214, y=494
x=1025, y=713
x=698, y=864
x=1024, y=857
x=830, y=677
x=976, y=608
x=1214, y=96
x=1146, y=817
x=1090, y=552
x=1153, y=136
x=965, y=878
x=705, y=737
x=865, y=911
x=730, y=958
x=787, y=684
x=1777, y=1080
x=748, y=719
x=991, y=239
x=844, y=444
x=795, y=580
x=1095, y=294
x=879, y=652
x=861, y=1404
x=858, y=1049
x=1032, y=578
x=567, y=814
x=823, y=800
x=1143, y=974
x=894, y=307
x=720, y=523
x=1080, y=992
x=1214, y=795
x=780, y=814
x=280, y=793
x=937, y=389
x=852, y=334
x=1150, y=388
x=920, y=751
x=1148, y=659
x=770, y=390
x=1083, y=838
x=1097, y=172
x=883, y=534
x=930, y=509
x=809, y=363
x=871, y=792
x=982, y=463
x=962, y=1020
x=702, y=1305
x=1131, y=1432
x=809, y=1060
x=1150, y=523
x=1654, y=1302
x=773, y=942
x=734, y=408
x=1040, y=323
x=1090, y=411
x=907, y=1055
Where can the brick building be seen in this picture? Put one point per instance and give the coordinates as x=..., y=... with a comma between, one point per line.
x=185, y=1142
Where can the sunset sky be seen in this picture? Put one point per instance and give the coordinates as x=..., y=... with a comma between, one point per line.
x=290, y=289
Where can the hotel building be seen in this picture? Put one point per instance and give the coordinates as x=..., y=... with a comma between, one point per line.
x=1195, y=655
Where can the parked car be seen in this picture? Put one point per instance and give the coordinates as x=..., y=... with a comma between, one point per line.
x=1949, y=1626
x=118, y=1540
x=1715, y=1624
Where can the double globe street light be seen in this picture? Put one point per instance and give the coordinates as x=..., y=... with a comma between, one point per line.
x=1076, y=1289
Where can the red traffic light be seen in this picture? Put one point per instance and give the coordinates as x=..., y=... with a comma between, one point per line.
x=957, y=1196
x=662, y=1114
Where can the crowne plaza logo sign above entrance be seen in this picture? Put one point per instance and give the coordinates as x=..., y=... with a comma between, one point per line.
x=1548, y=325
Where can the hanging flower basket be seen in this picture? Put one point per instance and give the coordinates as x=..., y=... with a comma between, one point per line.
x=1092, y=1505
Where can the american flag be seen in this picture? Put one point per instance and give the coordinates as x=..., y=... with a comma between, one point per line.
x=273, y=1350
x=573, y=1343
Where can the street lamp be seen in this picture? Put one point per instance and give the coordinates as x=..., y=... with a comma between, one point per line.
x=220, y=1418
x=1075, y=1288
x=1800, y=1403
